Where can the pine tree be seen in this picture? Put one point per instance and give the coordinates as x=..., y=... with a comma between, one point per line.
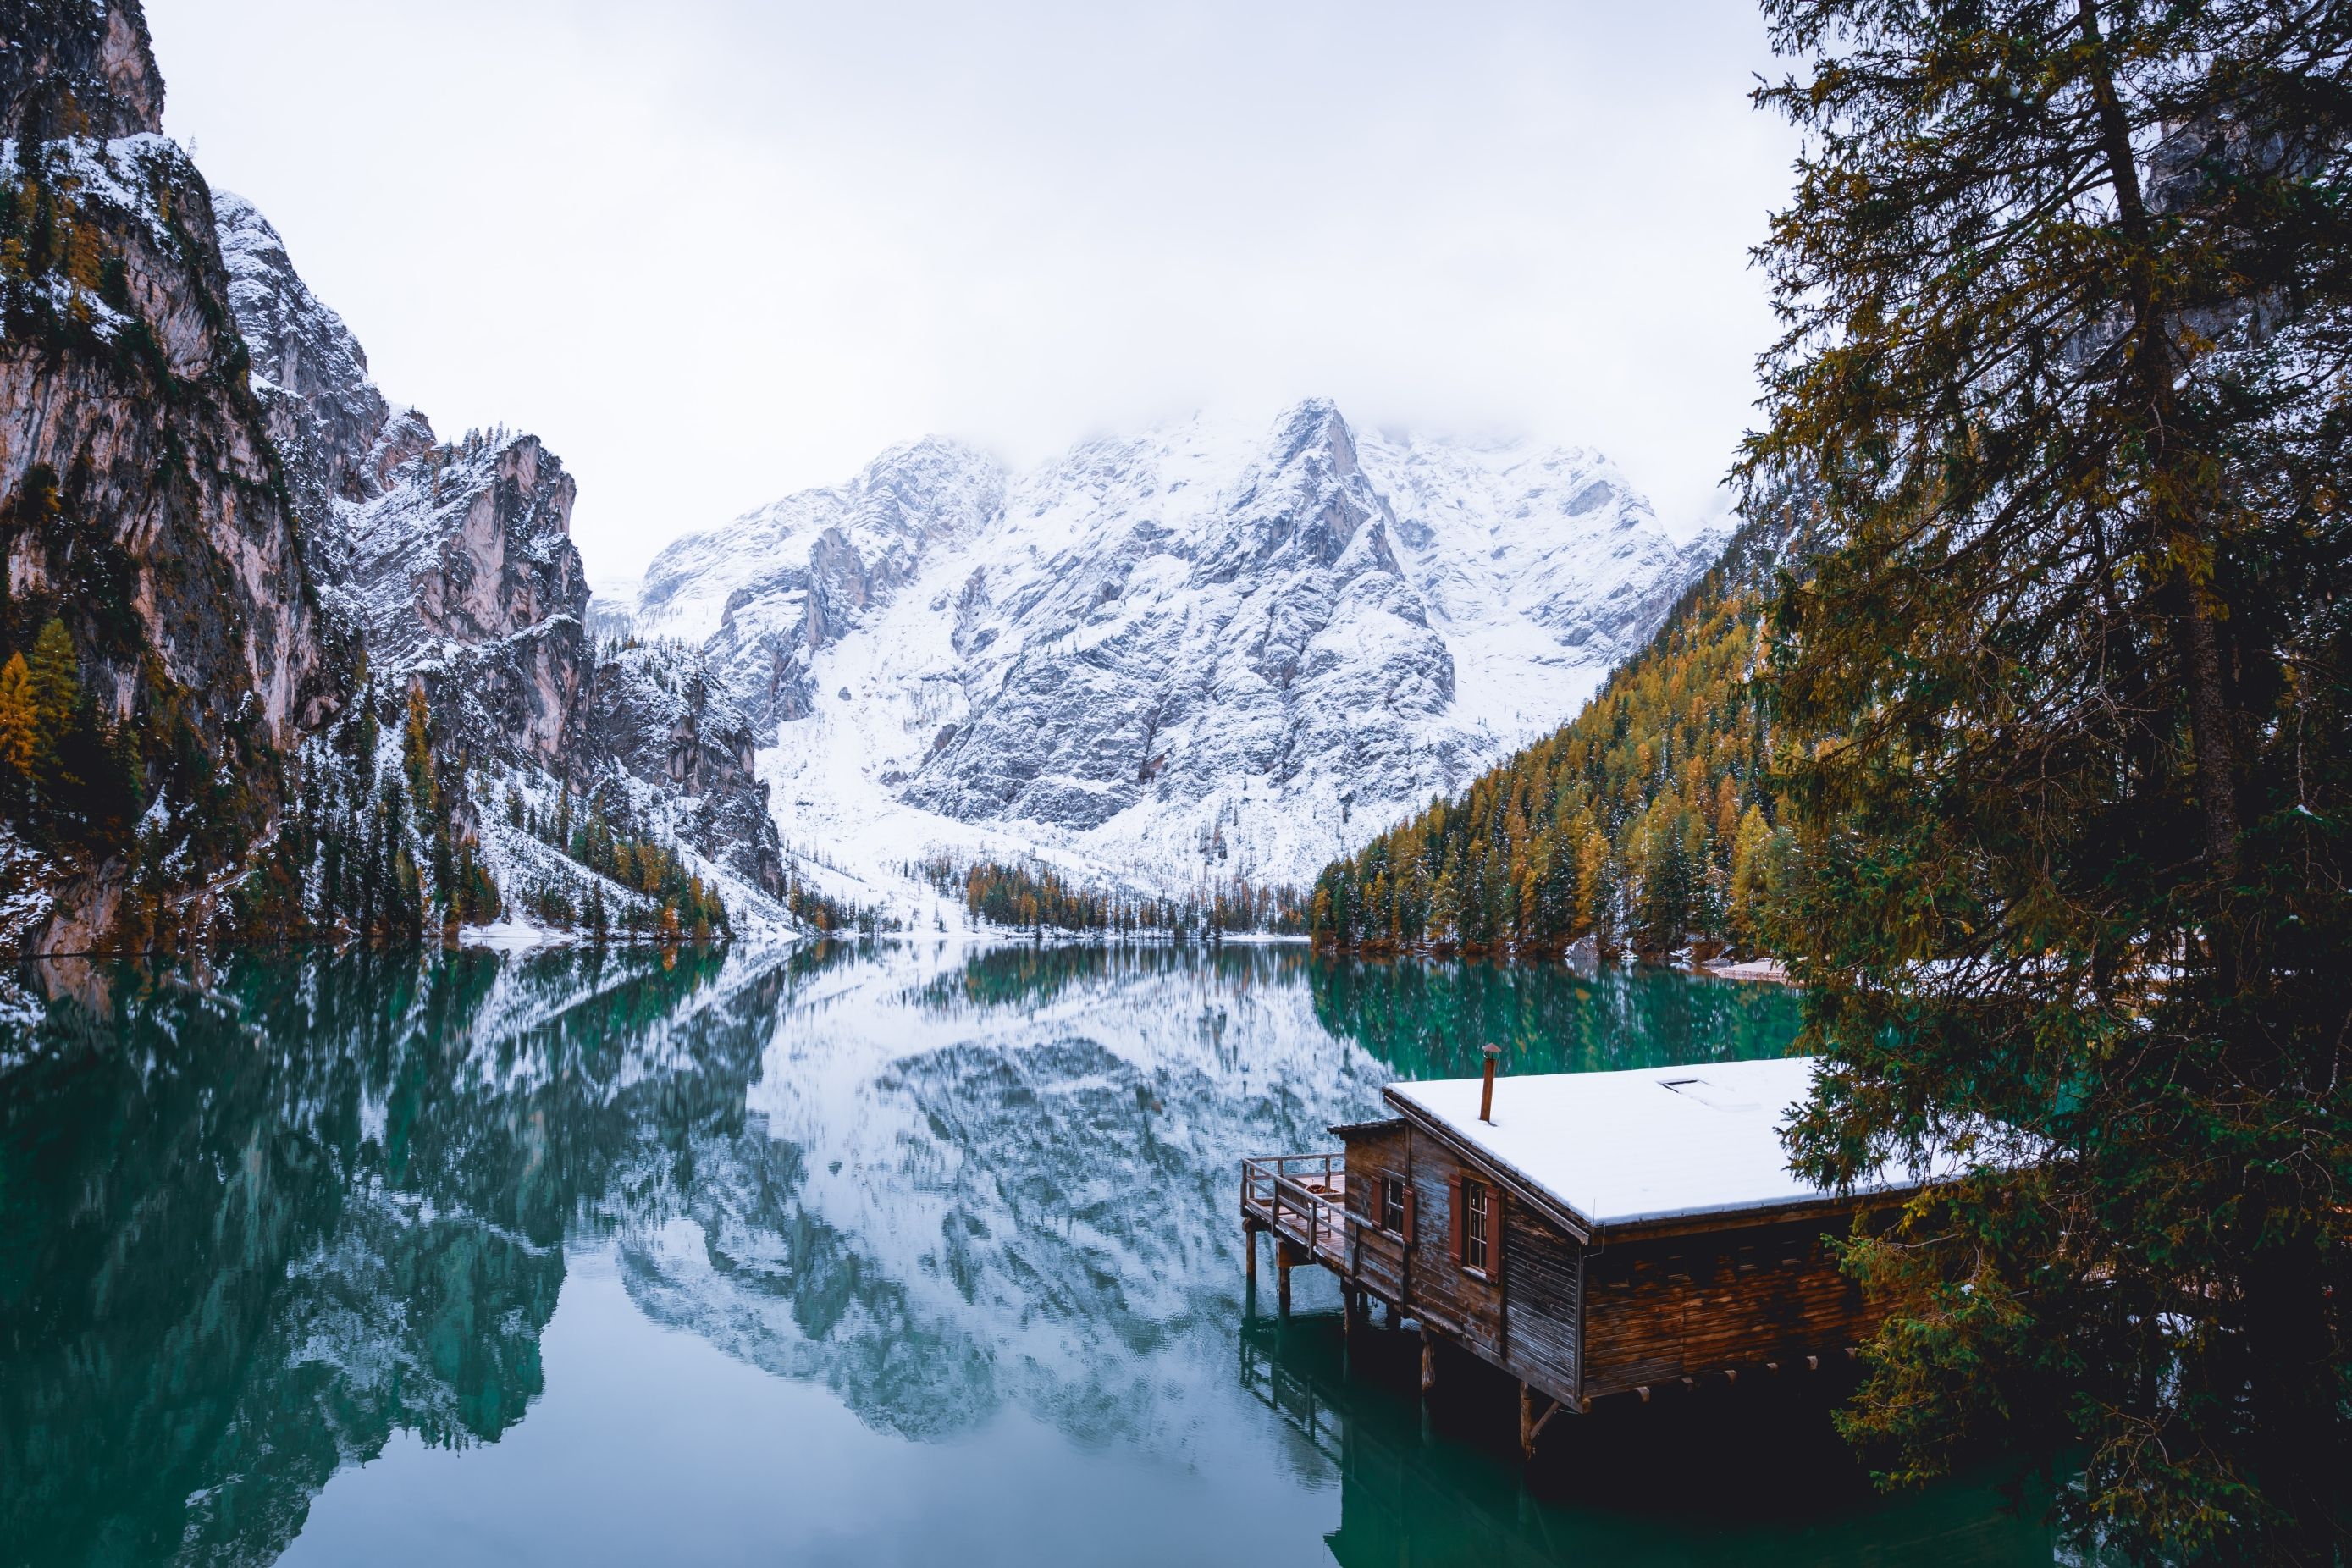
x=367, y=735
x=2068, y=289
x=19, y=722
x=54, y=684
x=1751, y=873
x=416, y=757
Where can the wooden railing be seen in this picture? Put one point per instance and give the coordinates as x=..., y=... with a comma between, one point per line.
x=1303, y=1199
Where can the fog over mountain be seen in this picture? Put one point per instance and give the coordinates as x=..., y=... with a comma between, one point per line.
x=797, y=234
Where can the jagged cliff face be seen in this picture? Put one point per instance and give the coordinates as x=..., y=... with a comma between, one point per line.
x=465, y=573
x=778, y=586
x=1164, y=652
x=325, y=415
x=1198, y=653
x=145, y=508
x=457, y=559
x=656, y=715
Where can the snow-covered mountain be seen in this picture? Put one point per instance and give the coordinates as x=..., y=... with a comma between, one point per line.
x=455, y=563
x=1206, y=651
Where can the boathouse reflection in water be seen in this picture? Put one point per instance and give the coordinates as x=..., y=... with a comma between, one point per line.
x=1753, y=1478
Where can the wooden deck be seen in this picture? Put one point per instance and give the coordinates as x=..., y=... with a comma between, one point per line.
x=1302, y=1200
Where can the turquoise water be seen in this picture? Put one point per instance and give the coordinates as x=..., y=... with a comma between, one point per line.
x=894, y=1254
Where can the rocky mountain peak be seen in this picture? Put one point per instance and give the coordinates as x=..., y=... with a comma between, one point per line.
x=301, y=348
x=478, y=534
x=905, y=502
x=77, y=67
x=1313, y=497
x=1316, y=429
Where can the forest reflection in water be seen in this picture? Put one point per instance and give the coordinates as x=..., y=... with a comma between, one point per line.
x=273, y=1232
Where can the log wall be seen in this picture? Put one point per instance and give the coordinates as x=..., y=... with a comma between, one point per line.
x=1657, y=1311
x=1577, y=1323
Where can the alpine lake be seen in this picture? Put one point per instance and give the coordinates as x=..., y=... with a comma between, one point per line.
x=900, y=1253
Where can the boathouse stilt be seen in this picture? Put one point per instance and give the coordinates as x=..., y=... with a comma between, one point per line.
x=1249, y=1250
x=1531, y=1424
x=1428, y=1363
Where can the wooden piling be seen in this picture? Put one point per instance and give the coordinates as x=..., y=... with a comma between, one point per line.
x=1531, y=1424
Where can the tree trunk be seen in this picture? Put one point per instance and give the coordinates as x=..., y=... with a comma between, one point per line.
x=2177, y=529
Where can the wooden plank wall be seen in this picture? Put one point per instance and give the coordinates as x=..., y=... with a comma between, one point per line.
x=1658, y=1310
x=1523, y=1320
x=1379, y=1257
x=1469, y=1309
x=1540, y=1264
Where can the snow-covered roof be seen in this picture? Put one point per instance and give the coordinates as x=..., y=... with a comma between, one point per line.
x=1619, y=1148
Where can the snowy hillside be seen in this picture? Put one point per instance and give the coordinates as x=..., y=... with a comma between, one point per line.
x=1204, y=652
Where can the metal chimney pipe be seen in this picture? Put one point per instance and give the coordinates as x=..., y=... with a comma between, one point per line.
x=1486, y=1092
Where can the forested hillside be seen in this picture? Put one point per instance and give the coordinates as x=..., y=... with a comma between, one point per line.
x=1645, y=821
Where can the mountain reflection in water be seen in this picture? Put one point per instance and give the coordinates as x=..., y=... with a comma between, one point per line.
x=259, y=1222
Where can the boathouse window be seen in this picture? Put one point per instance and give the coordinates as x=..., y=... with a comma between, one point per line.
x=1473, y=1225
x=1393, y=1205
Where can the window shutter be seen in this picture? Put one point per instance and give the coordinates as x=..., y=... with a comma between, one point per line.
x=1454, y=1208
x=1408, y=1214
x=1495, y=1231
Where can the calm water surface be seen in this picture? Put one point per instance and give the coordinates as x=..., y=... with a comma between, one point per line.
x=903, y=1255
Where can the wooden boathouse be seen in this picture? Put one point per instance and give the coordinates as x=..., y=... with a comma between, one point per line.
x=1588, y=1233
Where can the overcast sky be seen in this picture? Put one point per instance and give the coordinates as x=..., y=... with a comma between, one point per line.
x=716, y=250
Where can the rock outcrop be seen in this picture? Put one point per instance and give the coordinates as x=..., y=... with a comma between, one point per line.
x=146, y=511
x=333, y=428
x=80, y=70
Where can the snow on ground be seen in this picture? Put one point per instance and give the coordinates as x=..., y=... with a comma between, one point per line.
x=513, y=933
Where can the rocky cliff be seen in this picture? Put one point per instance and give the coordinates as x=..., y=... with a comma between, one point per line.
x=1197, y=653
x=174, y=649
x=230, y=562
x=456, y=559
